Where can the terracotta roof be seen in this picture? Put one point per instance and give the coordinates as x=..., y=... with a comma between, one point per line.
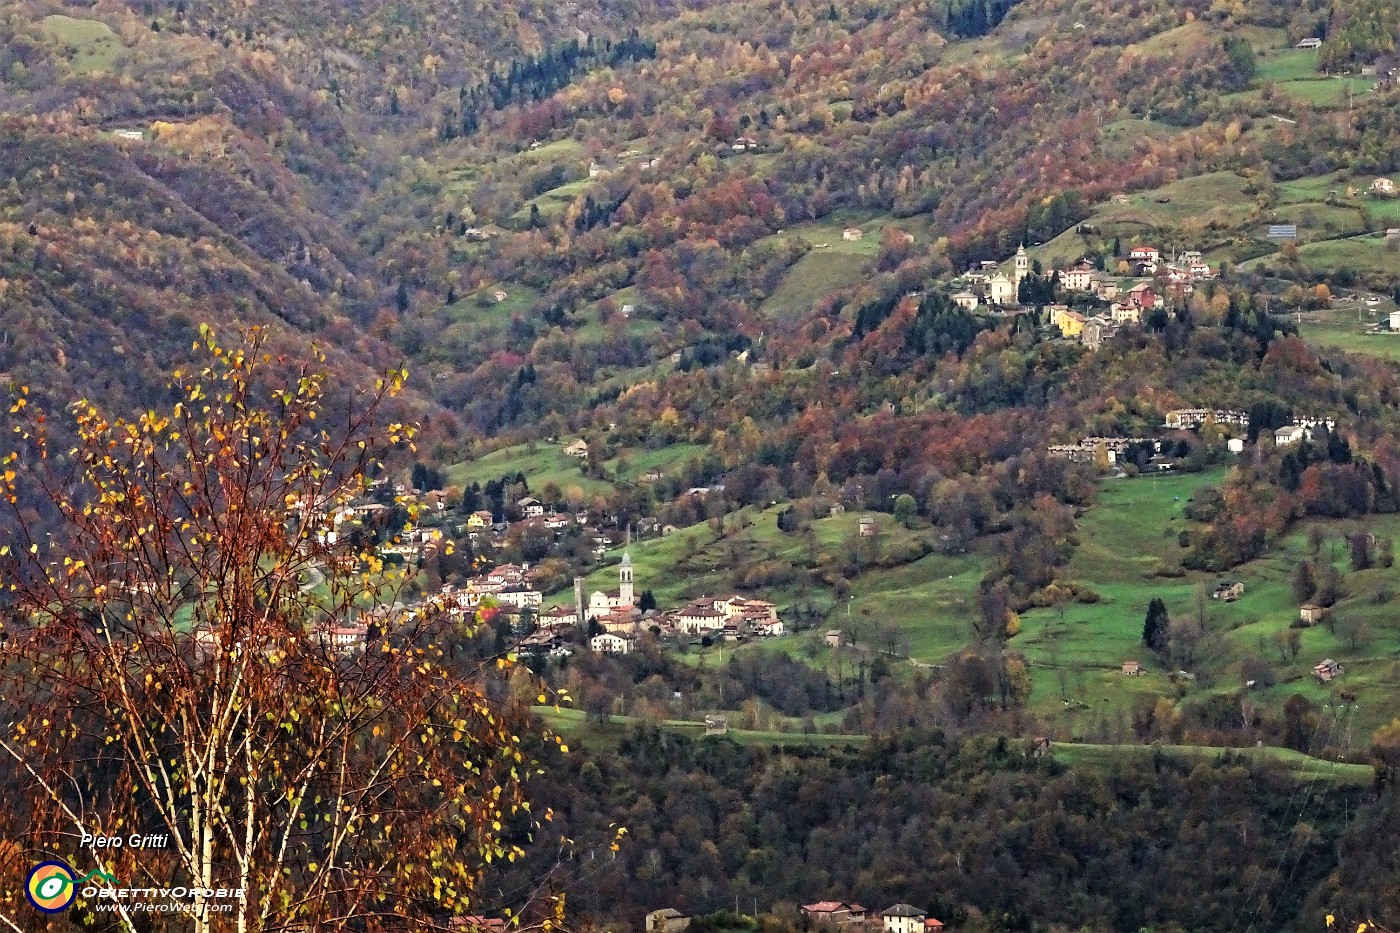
x=477, y=923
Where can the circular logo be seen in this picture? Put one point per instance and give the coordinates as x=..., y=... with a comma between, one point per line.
x=51, y=887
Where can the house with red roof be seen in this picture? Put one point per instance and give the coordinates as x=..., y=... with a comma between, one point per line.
x=479, y=924
x=1142, y=296
x=838, y=913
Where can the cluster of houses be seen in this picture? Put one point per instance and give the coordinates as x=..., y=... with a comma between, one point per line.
x=901, y=918
x=1328, y=670
x=1105, y=450
x=1301, y=430
x=482, y=526
x=614, y=620
x=1229, y=591
x=508, y=585
x=613, y=615
x=1108, y=450
x=1189, y=267
x=1189, y=419
x=618, y=621
x=1094, y=329
x=635, y=157
x=325, y=520
x=985, y=283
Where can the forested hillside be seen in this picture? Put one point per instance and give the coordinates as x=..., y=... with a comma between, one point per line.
x=706, y=185
x=397, y=164
x=979, y=833
x=176, y=164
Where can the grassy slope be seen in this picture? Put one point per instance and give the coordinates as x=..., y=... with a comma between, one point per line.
x=1215, y=206
x=1215, y=199
x=811, y=279
x=1293, y=75
x=1298, y=764
x=838, y=264
x=927, y=598
x=931, y=599
x=1287, y=64
x=1346, y=326
x=666, y=459
x=1364, y=255
x=480, y=309
x=574, y=724
x=553, y=201
x=546, y=464
x=95, y=45
x=1126, y=540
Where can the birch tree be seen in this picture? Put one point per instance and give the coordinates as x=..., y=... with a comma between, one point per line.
x=180, y=658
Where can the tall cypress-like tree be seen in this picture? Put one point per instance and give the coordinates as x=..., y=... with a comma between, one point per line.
x=1154, y=627
x=1303, y=582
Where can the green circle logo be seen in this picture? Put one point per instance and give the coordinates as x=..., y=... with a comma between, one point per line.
x=51, y=887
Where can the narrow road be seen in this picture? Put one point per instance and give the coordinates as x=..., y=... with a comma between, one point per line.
x=316, y=578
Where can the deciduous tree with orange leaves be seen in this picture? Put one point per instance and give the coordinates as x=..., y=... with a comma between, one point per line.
x=197, y=656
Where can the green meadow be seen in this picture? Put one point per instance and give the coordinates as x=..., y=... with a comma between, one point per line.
x=574, y=725
x=1129, y=554
x=832, y=263
x=1299, y=765
x=542, y=463
x=482, y=309
x=94, y=46
x=1352, y=328
x=812, y=278
x=1215, y=198
x=1287, y=64
x=1365, y=255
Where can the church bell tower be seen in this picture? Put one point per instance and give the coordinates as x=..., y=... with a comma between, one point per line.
x=624, y=580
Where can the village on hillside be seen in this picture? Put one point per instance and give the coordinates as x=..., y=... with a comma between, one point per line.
x=1099, y=301
x=609, y=622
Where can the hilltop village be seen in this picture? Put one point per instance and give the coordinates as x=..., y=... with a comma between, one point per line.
x=1088, y=301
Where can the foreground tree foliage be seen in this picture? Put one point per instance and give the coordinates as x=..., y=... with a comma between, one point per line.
x=166, y=669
